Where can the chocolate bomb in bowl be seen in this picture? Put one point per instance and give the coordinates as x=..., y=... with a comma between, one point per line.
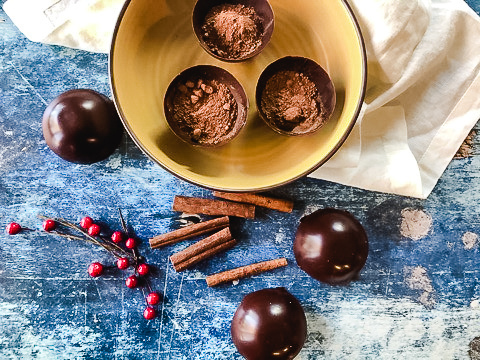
x=233, y=30
x=295, y=96
x=206, y=106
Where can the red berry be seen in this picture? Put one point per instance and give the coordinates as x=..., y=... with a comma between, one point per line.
x=94, y=230
x=130, y=243
x=123, y=263
x=49, y=225
x=95, y=269
x=131, y=282
x=149, y=313
x=153, y=298
x=117, y=237
x=143, y=269
x=13, y=228
x=86, y=222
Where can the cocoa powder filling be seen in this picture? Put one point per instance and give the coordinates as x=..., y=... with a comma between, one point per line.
x=232, y=31
x=204, y=110
x=289, y=102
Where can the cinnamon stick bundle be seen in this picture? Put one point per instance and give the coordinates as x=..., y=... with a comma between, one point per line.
x=202, y=249
x=244, y=271
x=204, y=255
x=187, y=232
x=195, y=205
x=256, y=199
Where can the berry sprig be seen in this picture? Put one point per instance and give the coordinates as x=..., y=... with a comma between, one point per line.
x=127, y=256
x=88, y=231
x=141, y=268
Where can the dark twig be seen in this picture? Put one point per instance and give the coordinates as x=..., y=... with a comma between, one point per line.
x=111, y=247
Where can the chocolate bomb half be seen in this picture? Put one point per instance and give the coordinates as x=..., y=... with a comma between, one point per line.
x=295, y=96
x=234, y=30
x=206, y=106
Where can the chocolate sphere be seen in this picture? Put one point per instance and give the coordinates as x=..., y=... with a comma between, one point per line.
x=331, y=246
x=82, y=126
x=269, y=324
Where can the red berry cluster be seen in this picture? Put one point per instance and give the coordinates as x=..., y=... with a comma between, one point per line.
x=123, y=263
x=127, y=255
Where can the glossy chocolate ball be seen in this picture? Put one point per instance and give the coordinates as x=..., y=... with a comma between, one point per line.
x=331, y=246
x=82, y=126
x=269, y=324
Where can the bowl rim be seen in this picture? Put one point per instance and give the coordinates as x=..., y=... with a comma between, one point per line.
x=137, y=141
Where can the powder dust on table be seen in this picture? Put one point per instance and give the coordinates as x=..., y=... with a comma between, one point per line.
x=469, y=240
x=289, y=101
x=415, y=224
x=204, y=110
x=232, y=31
x=418, y=279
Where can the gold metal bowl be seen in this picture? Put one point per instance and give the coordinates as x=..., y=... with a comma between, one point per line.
x=154, y=41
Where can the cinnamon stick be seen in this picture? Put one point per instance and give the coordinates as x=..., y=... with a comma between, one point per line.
x=195, y=205
x=256, y=199
x=201, y=246
x=187, y=232
x=244, y=271
x=204, y=255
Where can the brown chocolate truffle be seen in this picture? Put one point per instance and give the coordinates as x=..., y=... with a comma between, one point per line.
x=82, y=126
x=331, y=246
x=269, y=324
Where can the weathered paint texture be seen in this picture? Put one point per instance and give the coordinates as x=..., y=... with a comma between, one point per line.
x=417, y=297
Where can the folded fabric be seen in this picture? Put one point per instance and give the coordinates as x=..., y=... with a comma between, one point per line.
x=422, y=89
x=422, y=95
x=80, y=24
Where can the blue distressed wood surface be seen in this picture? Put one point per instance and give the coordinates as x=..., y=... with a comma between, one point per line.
x=50, y=308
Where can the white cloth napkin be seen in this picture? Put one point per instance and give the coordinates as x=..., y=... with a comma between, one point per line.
x=423, y=95
x=423, y=90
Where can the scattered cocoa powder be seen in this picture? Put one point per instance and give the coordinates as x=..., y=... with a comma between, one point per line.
x=205, y=110
x=232, y=31
x=289, y=102
x=466, y=149
x=474, y=349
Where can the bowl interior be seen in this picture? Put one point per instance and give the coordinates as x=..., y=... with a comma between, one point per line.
x=154, y=42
